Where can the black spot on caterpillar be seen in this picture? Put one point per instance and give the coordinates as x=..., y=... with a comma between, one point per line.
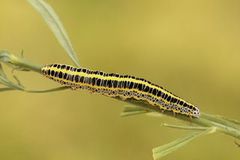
x=116, y=85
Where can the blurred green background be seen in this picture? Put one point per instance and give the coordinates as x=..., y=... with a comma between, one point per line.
x=192, y=48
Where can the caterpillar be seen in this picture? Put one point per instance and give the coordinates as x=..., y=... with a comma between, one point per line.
x=116, y=85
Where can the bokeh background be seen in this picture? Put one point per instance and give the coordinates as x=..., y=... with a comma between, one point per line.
x=192, y=48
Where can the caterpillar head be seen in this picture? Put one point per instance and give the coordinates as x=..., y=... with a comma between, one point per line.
x=195, y=112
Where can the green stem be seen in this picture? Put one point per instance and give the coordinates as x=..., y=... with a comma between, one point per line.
x=18, y=63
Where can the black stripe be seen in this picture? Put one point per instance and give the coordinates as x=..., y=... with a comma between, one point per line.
x=63, y=66
x=52, y=73
x=77, y=78
x=98, y=82
x=65, y=76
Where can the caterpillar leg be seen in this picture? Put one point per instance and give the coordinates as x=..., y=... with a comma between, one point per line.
x=174, y=113
x=74, y=87
x=123, y=98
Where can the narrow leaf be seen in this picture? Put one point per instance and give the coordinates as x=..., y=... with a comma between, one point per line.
x=54, y=23
x=8, y=83
x=48, y=90
x=231, y=120
x=184, y=127
x=164, y=150
x=1, y=71
x=6, y=89
x=132, y=110
x=5, y=81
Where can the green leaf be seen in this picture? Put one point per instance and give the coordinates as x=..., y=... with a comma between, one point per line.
x=8, y=83
x=184, y=127
x=54, y=23
x=5, y=81
x=6, y=89
x=48, y=90
x=231, y=120
x=164, y=150
x=1, y=71
x=132, y=110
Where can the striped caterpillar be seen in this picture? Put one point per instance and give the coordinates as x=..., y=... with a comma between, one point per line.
x=116, y=85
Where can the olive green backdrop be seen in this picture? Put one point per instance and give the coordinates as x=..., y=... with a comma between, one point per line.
x=192, y=48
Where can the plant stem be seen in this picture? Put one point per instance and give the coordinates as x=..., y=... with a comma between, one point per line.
x=18, y=63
